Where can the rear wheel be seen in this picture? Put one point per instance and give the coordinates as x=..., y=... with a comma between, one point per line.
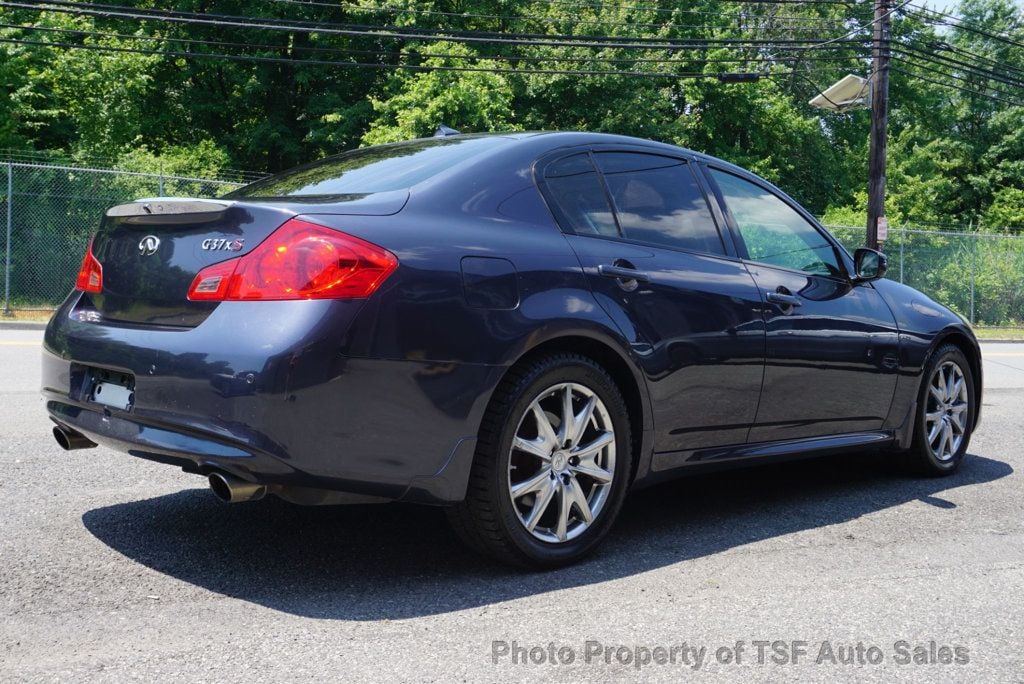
x=552, y=464
x=945, y=414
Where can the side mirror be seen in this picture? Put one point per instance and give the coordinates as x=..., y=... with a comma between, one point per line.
x=869, y=264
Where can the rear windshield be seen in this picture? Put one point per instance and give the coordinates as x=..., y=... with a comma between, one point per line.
x=371, y=169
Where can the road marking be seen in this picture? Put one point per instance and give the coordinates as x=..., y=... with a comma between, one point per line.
x=985, y=355
x=20, y=344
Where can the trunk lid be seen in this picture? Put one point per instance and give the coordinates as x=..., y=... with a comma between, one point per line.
x=150, y=250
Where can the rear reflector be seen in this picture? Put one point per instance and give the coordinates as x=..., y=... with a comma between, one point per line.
x=90, y=274
x=300, y=260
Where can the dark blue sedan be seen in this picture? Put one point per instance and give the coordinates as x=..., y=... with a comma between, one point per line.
x=520, y=327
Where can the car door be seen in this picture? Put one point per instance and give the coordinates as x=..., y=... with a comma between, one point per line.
x=657, y=262
x=832, y=345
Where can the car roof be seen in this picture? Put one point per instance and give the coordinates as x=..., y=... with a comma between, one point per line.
x=557, y=139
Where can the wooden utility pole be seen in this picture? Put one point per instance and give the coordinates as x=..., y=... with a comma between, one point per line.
x=879, y=120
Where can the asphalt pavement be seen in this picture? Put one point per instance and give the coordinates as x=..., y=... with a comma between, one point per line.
x=117, y=569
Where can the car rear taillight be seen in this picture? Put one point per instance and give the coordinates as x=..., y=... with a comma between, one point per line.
x=90, y=274
x=300, y=260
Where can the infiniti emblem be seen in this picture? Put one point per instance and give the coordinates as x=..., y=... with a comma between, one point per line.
x=148, y=245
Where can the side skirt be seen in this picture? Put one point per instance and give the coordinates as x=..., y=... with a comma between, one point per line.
x=665, y=465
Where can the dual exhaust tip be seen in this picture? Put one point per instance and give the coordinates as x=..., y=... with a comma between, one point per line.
x=231, y=489
x=226, y=487
x=70, y=440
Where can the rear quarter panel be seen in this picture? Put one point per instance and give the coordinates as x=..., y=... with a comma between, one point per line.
x=424, y=313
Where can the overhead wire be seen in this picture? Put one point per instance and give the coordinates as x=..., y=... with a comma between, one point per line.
x=420, y=33
x=424, y=55
x=816, y=22
x=921, y=13
x=413, y=67
x=942, y=60
x=647, y=8
x=938, y=47
x=842, y=42
x=946, y=84
x=952, y=76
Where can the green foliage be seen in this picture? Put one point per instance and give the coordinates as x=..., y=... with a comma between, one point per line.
x=202, y=160
x=416, y=103
x=1006, y=210
x=855, y=214
x=955, y=158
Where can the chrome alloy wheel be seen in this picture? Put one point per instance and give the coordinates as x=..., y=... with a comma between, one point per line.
x=562, y=462
x=946, y=413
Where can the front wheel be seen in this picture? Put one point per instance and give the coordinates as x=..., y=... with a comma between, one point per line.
x=552, y=464
x=945, y=414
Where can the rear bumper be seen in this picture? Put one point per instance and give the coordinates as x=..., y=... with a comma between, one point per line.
x=266, y=392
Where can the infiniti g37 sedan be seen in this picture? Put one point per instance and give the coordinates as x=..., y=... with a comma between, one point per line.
x=521, y=328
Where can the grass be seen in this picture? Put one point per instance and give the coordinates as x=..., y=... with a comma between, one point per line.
x=996, y=333
x=23, y=316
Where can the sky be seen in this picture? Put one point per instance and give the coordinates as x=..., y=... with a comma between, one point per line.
x=949, y=6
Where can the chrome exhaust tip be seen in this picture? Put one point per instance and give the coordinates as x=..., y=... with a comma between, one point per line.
x=70, y=440
x=233, y=489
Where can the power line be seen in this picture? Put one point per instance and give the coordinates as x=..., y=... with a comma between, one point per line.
x=424, y=55
x=938, y=47
x=738, y=43
x=946, y=84
x=947, y=71
x=968, y=53
x=853, y=31
x=955, y=63
x=365, y=31
x=957, y=21
x=643, y=8
x=414, y=67
x=965, y=27
x=815, y=22
x=573, y=41
x=931, y=11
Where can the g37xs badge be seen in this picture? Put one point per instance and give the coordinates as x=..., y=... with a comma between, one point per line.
x=223, y=244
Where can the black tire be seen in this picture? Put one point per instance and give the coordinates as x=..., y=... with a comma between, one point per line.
x=488, y=519
x=922, y=457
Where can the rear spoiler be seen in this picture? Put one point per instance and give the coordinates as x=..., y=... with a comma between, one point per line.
x=169, y=206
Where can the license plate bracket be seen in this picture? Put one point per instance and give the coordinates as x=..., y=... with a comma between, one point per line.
x=111, y=388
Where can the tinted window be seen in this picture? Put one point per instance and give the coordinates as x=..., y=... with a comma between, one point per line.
x=773, y=231
x=657, y=200
x=579, y=199
x=371, y=169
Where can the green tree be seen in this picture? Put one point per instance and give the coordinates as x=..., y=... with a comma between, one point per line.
x=415, y=103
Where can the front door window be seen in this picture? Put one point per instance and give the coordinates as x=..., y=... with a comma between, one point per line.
x=774, y=232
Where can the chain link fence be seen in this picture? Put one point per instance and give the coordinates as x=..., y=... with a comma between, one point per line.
x=978, y=275
x=50, y=210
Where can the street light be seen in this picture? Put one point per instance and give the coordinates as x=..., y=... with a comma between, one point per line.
x=849, y=92
x=853, y=92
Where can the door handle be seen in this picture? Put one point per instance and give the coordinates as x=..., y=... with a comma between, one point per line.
x=623, y=273
x=783, y=299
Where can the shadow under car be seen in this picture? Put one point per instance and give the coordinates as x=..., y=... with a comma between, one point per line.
x=397, y=561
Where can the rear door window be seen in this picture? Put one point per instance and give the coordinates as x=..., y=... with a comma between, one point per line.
x=658, y=201
x=579, y=201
